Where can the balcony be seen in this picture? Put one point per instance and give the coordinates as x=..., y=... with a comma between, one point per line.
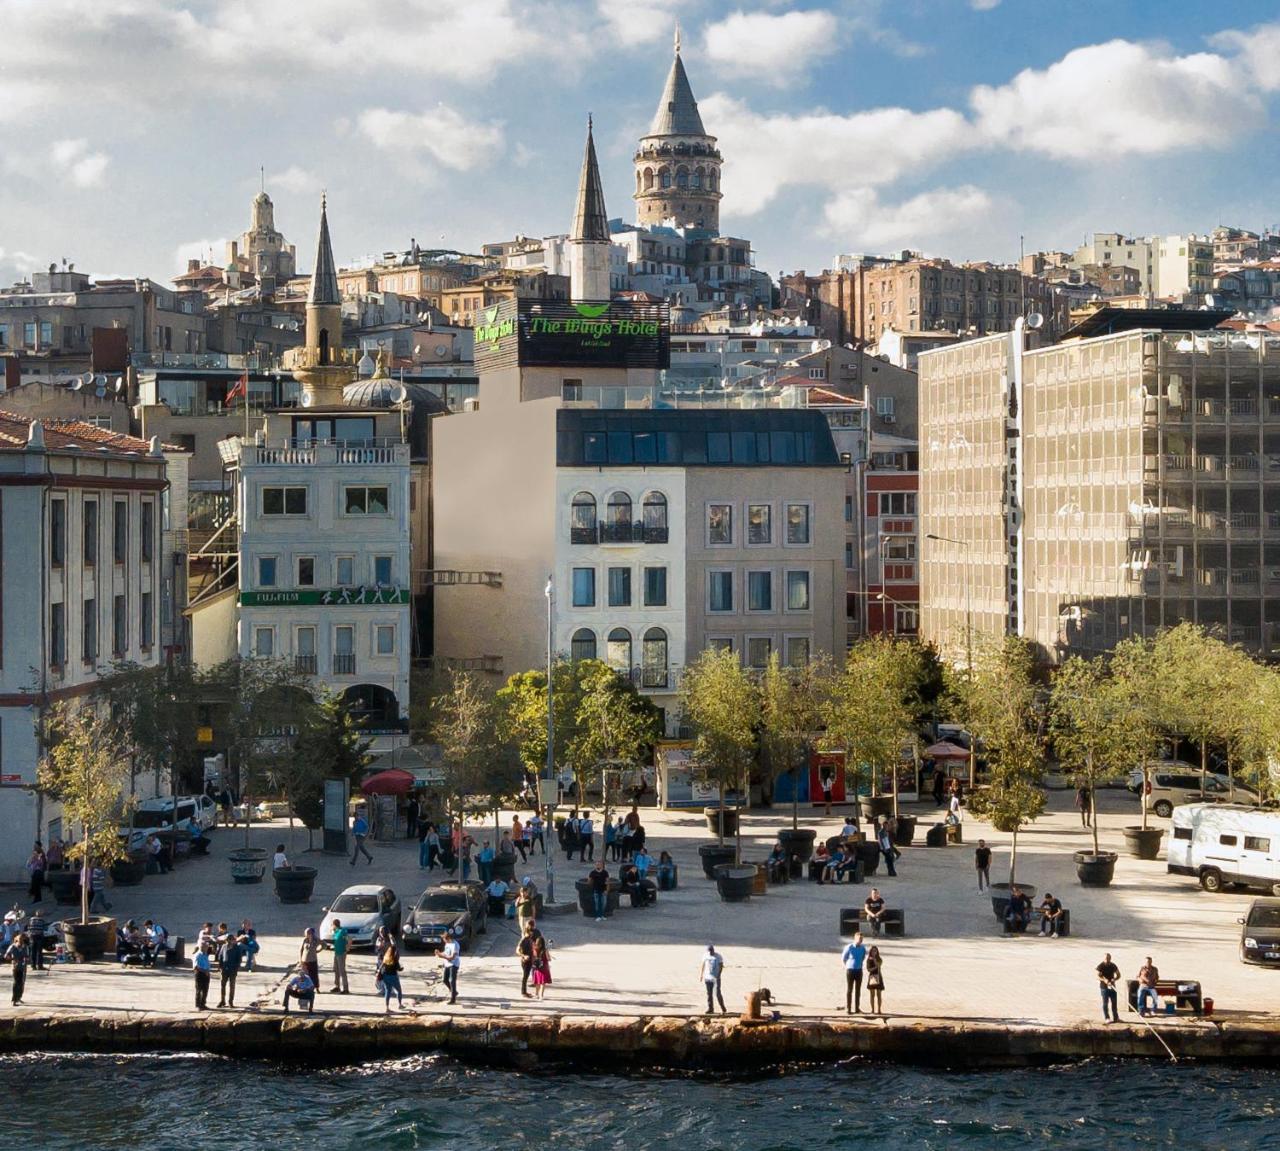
x=581, y=534
x=304, y=664
x=344, y=663
x=294, y=453
x=622, y=533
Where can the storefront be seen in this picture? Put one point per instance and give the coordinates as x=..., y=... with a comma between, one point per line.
x=679, y=785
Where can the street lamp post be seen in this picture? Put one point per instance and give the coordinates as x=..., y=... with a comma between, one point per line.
x=549, y=806
x=968, y=643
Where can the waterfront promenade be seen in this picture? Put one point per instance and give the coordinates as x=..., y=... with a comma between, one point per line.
x=954, y=962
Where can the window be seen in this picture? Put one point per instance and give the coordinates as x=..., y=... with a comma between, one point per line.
x=900, y=548
x=304, y=659
x=653, y=658
x=366, y=501
x=90, y=533
x=582, y=519
x=146, y=621
x=797, y=591
x=266, y=571
x=571, y=390
x=284, y=501
x=148, y=530
x=797, y=650
x=720, y=591
x=264, y=642
x=619, y=587
x=617, y=527
x=618, y=649
x=1182, y=833
x=583, y=644
x=759, y=524
x=1228, y=840
x=720, y=643
x=584, y=587
x=306, y=571
x=345, y=571
x=384, y=639
x=89, y=631
x=719, y=524
x=344, y=650
x=655, y=518
x=817, y=373
x=57, y=634
x=655, y=587
x=798, y=523
x=119, y=627
x=759, y=591
x=897, y=503
x=382, y=571
x=57, y=532
x=759, y=648
x=1255, y=843
x=120, y=532
x=848, y=509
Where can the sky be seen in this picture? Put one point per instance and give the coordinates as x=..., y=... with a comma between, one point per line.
x=132, y=132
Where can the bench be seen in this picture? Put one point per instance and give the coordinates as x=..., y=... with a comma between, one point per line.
x=893, y=921
x=855, y=874
x=936, y=836
x=1186, y=994
x=1037, y=916
x=955, y=832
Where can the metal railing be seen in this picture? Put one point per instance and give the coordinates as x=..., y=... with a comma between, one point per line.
x=344, y=663
x=620, y=533
x=305, y=664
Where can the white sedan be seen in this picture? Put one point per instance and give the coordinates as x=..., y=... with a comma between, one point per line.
x=363, y=908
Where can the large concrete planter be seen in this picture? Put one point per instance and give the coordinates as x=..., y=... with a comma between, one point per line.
x=798, y=842
x=504, y=868
x=735, y=883
x=721, y=820
x=295, y=884
x=1000, y=897
x=128, y=872
x=1095, y=870
x=906, y=831
x=66, y=887
x=712, y=855
x=1143, y=842
x=248, y=864
x=89, y=941
x=874, y=806
x=869, y=852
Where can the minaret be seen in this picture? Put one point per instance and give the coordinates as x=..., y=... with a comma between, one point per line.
x=321, y=368
x=589, y=237
x=677, y=163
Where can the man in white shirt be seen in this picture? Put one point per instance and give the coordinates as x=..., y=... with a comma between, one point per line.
x=451, y=953
x=709, y=972
x=586, y=838
x=497, y=892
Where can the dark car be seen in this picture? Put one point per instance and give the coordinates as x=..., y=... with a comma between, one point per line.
x=460, y=909
x=1260, y=933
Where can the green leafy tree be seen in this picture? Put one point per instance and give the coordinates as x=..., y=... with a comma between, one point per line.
x=329, y=745
x=482, y=766
x=615, y=724
x=790, y=712
x=722, y=705
x=87, y=769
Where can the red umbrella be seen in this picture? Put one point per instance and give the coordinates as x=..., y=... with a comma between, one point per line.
x=392, y=782
x=944, y=749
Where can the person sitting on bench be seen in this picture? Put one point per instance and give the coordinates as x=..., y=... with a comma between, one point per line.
x=302, y=988
x=1050, y=915
x=666, y=869
x=873, y=910
x=838, y=862
x=776, y=864
x=850, y=828
x=129, y=942
x=1018, y=913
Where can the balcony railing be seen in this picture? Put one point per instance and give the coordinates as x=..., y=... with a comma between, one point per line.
x=304, y=664
x=582, y=534
x=344, y=663
x=380, y=450
x=621, y=533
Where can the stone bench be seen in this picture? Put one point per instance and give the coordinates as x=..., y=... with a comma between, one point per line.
x=852, y=919
x=1064, y=923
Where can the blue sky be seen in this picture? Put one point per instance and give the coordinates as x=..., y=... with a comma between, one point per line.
x=131, y=131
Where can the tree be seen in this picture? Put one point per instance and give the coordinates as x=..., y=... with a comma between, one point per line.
x=1001, y=699
x=790, y=713
x=722, y=706
x=328, y=746
x=482, y=766
x=87, y=769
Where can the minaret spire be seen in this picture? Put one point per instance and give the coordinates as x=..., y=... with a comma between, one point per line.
x=589, y=236
x=677, y=37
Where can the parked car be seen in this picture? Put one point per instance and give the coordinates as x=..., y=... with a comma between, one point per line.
x=157, y=814
x=1224, y=845
x=363, y=908
x=1260, y=933
x=1175, y=784
x=460, y=909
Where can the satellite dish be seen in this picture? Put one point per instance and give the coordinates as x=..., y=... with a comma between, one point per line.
x=399, y=394
x=1035, y=321
x=1209, y=300
x=75, y=384
x=100, y=391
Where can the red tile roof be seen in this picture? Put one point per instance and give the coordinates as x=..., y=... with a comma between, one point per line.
x=62, y=434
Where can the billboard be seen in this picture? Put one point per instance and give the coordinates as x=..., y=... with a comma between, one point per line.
x=556, y=333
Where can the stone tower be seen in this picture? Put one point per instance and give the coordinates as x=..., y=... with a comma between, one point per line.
x=589, y=236
x=322, y=368
x=677, y=163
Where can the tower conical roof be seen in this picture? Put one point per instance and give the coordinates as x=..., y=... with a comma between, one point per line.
x=324, y=280
x=677, y=113
x=590, y=220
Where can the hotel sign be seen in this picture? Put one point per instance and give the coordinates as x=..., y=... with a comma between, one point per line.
x=326, y=597
x=555, y=333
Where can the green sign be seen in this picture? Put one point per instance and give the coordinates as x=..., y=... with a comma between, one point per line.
x=493, y=329
x=558, y=333
x=326, y=597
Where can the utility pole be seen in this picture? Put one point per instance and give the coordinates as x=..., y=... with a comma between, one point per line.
x=549, y=792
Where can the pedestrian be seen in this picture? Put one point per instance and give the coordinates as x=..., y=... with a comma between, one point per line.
x=541, y=968
x=1084, y=804
x=388, y=974
x=527, y=900
x=517, y=838
x=225, y=802
x=525, y=949
x=204, y=937
x=621, y=836
x=56, y=855
x=536, y=829
x=302, y=988
x=251, y=944
x=424, y=830
x=467, y=844
x=875, y=980
x=599, y=877
x=411, y=812
x=360, y=829
x=37, y=865
x=982, y=861
x=710, y=971
x=451, y=957
x=586, y=838
x=953, y=806
x=939, y=785
x=887, y=850
x=36, y=928
x=827, y=778
x=97, y=886
x=280, y=861
x=309, y=955
x=339, y=942
x=231, y=957
x=202, y=965
x=1050, y=915
x=1148, y=977
x=432, y=849
x=484, y=862
x=18, y=953
x=1108, y=973
x=854, y=957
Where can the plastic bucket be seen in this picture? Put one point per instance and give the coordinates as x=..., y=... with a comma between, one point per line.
x=1171, y=1007
x=1208, y=1006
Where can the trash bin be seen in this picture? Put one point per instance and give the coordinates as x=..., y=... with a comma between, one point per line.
x=176, y=952
x=1208, y=1006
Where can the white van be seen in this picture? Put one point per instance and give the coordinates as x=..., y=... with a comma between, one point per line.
x=1223, y=844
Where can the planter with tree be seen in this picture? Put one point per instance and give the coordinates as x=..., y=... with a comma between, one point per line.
x=735, y=881
x=87, y=768
x=789, y=717
x=294, y=884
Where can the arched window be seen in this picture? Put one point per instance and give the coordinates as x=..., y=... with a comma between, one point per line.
x=648, y=179
x=582, y=524
x=653, y=670
x=682, y=177
x=711, y=180
x=617, y=528
x=583, y=644
x=618, y=651
x=697, y=178
x=655, y=518
x=665, y=175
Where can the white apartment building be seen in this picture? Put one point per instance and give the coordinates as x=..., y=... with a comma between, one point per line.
x=81, y=580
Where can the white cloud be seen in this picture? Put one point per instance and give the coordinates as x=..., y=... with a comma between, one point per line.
x=1118, y=98
x=637, y=22
x=73, y=158
x=775, y=49
x=859, y=219
x=294, y=179
x=765, y=153
x=984, y=5
x=441, y=133
x=19, y=264
x=1258, y=50
x=206, y=251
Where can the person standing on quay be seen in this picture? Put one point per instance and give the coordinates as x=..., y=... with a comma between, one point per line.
x=541, y=968
x=1083, y=804
x=451, y=956
x=203, y=968
x=586, y=838
x=525, y=949
x=339, y=943
x=854, y=957
x=36, y=927
x=360, y=829
x=230, y=959
x=710, y=971
x=599, y=876
x=17, y=954
x=982, y=862
x=37, y=865
x=875, y=980
x=389, y=974
x=309, y=955
x=1108, y=973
